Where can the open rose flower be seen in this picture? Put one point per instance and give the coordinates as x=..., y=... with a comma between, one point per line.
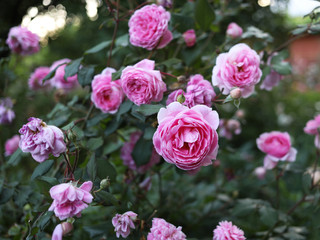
x=234, y=30
x=240, y=67
x=277, y=146
x=22, y=41
x=161, y=229
x=226, y=231
x=35, y=81
x=189, y=37
x=148, y=27
x=11, y=145
x=187, y=137
x=6, y=113
x=41, y=139
x=69, y=200
x=313, y=128
x=123, y=223
x=107, y=95
x=142, y=84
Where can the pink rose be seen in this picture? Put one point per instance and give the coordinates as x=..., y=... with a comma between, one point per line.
x=22, y=41
x=69, y=200
x=60, y=230
x=107, y=95
x=187, y=137
x=189, y=37
x=148, y=27
x=58, y=80
x=161, y=229
x=126, y=156
x=313, y=128
x=174, y=95
x=123, y=222
x=35, y=80
x=234, y=30
x=240, y=67
x=11, y=145
x=41, y=139
x=226, y=231
x=277, y=146
x=229, y=127
x=142, y=84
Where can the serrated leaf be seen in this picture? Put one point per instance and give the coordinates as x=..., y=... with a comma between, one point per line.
x=149, y=109
x=98, y=47
x=42, y=169
x=72, y=68
x=85, y=76
x=204, y=14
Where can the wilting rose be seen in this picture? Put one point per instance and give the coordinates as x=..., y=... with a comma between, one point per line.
x=35, y=81
x=123, y=223
x=234, y=30
x=189, y=37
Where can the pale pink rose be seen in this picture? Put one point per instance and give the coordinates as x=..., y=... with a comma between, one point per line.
x=69, y=200
x=142, y=84
x=229, y=127
x=189, y=37
x=260, y=172
x=187, y=137
x=240, y=67
x=35, y=81
x=60, y=230
x=11, y=145
x=161, y=230
x=174, y=95
x=22, y=41
x=107, y=95
x=58, y=80
x=313, y=126
x=148, y=27
x=277, y=146
x=234, y=30
x=226, y=231
x=126, y=156
x=6, y=113
x=271, y=80
x=41, y=139
x=123, y=223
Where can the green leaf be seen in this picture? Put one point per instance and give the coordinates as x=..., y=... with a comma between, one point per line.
x=149, y=109
x=72, y=68
x=142, y=151
x=98, y=47
x=306, y=182
x=85, y=75
x=49, y=180
x=148, y=133
x=94, y=143
x=21, y=195
x=182, y=22
x=279, y=64
x=107, y=198
x=300, y=30
x=105, y=168
x=92, y=167
x=204, y=14
x=112, y=146
x=6, y=195
x=123, y=40
x=78, y=132
x=116, y=75
x=265, y=72
x=171, y=61
x=124, y=108
x=68, y=126
x=96, y=119
x=268, y=216
x=42, y=169
x=112, y=126
x=44, y=220
x=51, y=73
x=15, y=157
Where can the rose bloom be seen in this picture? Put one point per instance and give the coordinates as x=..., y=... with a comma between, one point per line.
x=277, y=146
x=189, y=37
x=35, y=81
x=313, y=128
x=22, y=41
x=142, y=84
x=11, y=145
x=58, y=80
x=161, y=230
x=69, y=200
x=234, y=30
x=123, y=222
x=6, y=113
x=229, y=127
x=187, y=137
x=107, y=95
x=240, y=67
x=60, y=230
x=148, y=27
x=126, y=156
x=271, y=80
x=226, y=231
x=41, y=139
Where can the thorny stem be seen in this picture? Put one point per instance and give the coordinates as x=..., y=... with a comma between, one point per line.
x=116, y=19
x=69, y=168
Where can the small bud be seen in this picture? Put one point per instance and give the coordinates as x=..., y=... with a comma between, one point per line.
x=235, y=93
x=181, y=98
x=66, y=228
x=189, y=37
x=260, y=172
x=71, y=136
x=104, y=183
x=181, y=78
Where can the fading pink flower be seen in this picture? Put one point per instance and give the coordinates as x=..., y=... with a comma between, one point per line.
x=69, y=200
x=187, y=137
x=229, y=127
x=35, y=81
x=41, y=139
x=234, y=30
x=142, y=84
x=22, y=41
x=11, y=145
x=6, y=113
x=60, y=230
x=260, y=172
x=107, y=95
x=58, y=81
x=123, y=223
x=161, y=230
x=313, y=128
x=240, y=67
x=271, y=80
x=148, y=27
x=165, y=3
x=189, y=37
x=126, y=156
x=226, y=231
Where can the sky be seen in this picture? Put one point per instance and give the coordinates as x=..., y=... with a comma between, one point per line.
x=298, y=8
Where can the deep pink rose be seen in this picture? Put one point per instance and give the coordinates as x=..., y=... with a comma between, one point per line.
x=58, y=80
x=6, y=113
x=240, y=67
x=60, y=230
x=187, y=137
x=148, y=27
x=69, y=200
x=226, y=231
x=11, y=145
x=161, y=230
x=271, y=80
x=142, y=84
x=123, y=223
x=41, y=139
x=313, y=128
x=174, y=95
x=107, y=95
x=22, y=41
x=234, y=30
x=35, y=80
x=277, y=146
x=229, y=127
x=189, y=37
